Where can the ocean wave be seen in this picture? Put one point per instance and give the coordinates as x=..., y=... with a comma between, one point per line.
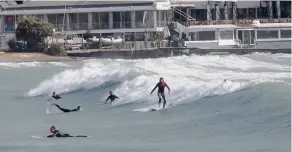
x=190, y=78
x=20, y=64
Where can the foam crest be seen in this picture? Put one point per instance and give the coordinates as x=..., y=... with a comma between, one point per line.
x=18, y=65
x=91, y=75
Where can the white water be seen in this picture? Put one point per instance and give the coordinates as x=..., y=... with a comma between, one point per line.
x=190, y=78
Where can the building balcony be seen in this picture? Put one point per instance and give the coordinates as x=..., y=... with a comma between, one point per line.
x=236, y=22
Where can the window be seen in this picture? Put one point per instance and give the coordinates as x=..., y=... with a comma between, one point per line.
x=226, y=35
x=192, y=36
x=222, y=14
x=213, y=14
x=83, y=21
x=117, y=20
x=205, y=35
x=285, y=33
x=9, y=23
x=264, y=34
x=139, y=19
x=201, y=14
x=126, y=18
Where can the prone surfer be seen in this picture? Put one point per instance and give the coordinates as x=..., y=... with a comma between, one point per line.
x=161, y=85
x=67, y=110
x=57, y=133
x=111, y=97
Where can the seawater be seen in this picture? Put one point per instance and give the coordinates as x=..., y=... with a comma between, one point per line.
x=250, y=112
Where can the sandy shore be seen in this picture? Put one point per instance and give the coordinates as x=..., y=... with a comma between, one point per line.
x=30, y=57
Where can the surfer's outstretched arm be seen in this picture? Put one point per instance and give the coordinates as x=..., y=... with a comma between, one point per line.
x=154, y=88
x=167, y=87
x=117, y=97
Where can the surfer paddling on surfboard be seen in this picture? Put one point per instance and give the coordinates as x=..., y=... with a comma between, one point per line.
x=161, y=85
x=111, y=97
x=57, y=133
x=67, y=110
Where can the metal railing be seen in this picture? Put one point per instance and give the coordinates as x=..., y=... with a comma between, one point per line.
x=236, y=22
x=188, y=17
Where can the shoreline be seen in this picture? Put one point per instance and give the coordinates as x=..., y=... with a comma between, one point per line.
x=35, y=57
x=17, y=57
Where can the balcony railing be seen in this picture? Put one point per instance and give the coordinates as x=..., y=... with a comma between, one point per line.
x=237, y=22
x=122, y=25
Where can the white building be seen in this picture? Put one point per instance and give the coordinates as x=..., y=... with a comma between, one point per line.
x=203, y=24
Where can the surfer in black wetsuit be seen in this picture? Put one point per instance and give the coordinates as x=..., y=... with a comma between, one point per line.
x=161, y=85
x=111, y=97
x=67, y=110
x=57, y=133
x=55, y=96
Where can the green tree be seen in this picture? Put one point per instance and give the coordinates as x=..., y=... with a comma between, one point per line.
x=33, y=31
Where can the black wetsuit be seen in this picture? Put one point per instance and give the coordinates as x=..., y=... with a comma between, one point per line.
x=56, y=97
x=160, y=93
x=112, y=98
x=57, y=133
x=67, y=110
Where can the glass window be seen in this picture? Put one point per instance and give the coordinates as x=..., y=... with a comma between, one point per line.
x=205, y=35
x=139, y=15
x=117, y=20
x=96, y=21
x=285, y=33
x=83, y=21
x=201, y=14
x=230, y=13
x=104, y=20
x=222, y=14
x=9, y=23
x=264, y=34
x=52, y=19
x=73, y=21
x=213, y=14
x=192, y=36
x=126, y=19
x=139, y=36
x=226, y=35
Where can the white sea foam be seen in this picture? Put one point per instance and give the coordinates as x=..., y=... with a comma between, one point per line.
x=190, y=78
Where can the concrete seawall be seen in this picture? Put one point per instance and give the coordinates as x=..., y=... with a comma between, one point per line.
x=166, y=52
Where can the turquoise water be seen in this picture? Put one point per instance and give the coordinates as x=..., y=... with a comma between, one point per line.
x=249, y=114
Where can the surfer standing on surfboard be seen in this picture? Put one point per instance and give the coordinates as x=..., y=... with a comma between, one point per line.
x=161, y=85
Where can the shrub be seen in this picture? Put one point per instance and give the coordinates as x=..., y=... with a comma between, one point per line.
x=56, y=49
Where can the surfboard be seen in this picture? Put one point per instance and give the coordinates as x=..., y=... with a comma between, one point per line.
x=80, y=136
x=37, y=137
x=154, y=108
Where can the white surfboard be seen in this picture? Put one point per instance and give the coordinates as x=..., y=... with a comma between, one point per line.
x=154, y=108
x=40, y=137
x=37, y=137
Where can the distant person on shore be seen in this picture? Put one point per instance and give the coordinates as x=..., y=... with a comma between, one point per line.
x=57, y=133
x=56, y=96
x=68, y=110
x=161, y=85
x=111, y=97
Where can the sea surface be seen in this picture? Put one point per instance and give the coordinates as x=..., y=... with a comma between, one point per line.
x=249, y=112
